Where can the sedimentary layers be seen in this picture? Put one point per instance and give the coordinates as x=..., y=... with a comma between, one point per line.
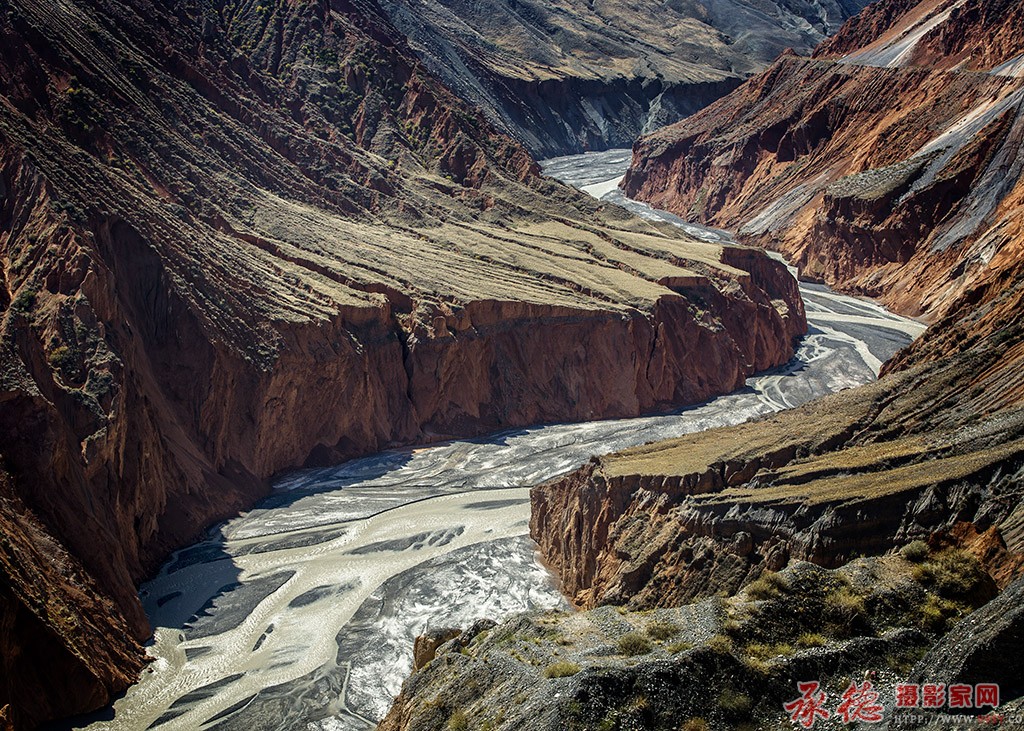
x=243, y=237
x=575, y=75
x=892, y=169
x=814, y=156
x=887, y=164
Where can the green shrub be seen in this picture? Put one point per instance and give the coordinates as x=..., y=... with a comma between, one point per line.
x=458, y=721
x=764, y=651
x=561, y=669
x=768, y=586
x=681, y=646
x=25, y=300
x=953, y=573
x=915, y=551
x=61, y=357
x=662, y=631
x=720, y=644
x=634, y=643
x=845, y=604
x=936, y=613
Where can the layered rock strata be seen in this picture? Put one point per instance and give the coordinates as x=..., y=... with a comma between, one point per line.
x=574, y=75
x=888, y=164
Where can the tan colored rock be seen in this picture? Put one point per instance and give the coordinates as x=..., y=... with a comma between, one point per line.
x=425, y=647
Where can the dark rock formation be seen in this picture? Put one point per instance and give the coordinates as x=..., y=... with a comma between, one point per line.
x=986, y=647
x=715, y=664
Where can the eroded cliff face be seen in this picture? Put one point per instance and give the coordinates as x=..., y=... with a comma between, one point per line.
x=265, y=237
x=573, y=75
x=888, y=164
x=932, y=451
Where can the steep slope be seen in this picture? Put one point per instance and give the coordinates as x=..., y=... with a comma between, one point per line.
x=930, y=451
x=721, y=663
x=873, y=177
x=237, y=237
x=889, y=164
x=578, y=75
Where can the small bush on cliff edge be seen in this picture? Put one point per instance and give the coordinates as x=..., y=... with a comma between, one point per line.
x=561, y=669
x=915, y=551
x=633, y=644
x=769, y=586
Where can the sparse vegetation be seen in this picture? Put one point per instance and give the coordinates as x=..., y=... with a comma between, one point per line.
x=735, y=704
x=458, y=721
x=695, y=724
x=662, y=631
x=25, y=300
x=561, y=669
x=720, y=644
x=811, y=639
x=954, y=574
x=61, y=357
x=768, y=586
x=915, y=551
x=633, y=644
x=844, y=604
x=680, y=646
x=764, y=651
x=936, y=613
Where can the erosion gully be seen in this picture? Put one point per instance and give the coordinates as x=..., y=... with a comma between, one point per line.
x=301, y=612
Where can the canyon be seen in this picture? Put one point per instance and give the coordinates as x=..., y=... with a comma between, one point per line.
x=240, y=239
x=740, y=561
x=304, y=610
x=267, y=238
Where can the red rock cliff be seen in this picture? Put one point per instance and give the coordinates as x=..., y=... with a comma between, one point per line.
x=884, y=165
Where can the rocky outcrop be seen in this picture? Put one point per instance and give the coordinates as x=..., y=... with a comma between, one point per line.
x=887, y=165
x=715, y=664
x=986, y=647
x=662, y=525
x=267, y=238
x=575, y=75
x=425, y=647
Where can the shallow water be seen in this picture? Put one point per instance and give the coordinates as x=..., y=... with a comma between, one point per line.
x=301, y=613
